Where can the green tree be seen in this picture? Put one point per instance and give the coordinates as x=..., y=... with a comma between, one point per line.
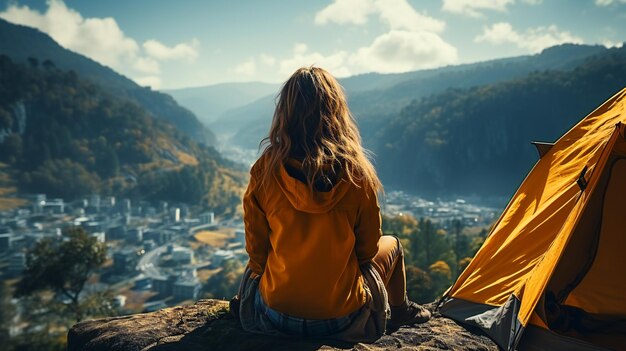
x=109, y=163
x=48, y=65
x=427, y=232
x=11, y=148
x=63, y=178
x=457, y=228
x=63, y=266
x=401, y=225
x=441, y=275
x=34, y=62
x=6, y=120
x=419, y=285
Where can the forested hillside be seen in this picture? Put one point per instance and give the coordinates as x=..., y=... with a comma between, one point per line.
x=376, y=98
x=67, y=137
x=477, y=140
x=24, y=44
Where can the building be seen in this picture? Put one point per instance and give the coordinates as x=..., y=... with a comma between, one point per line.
x=164, y=285
x=135, y=235
x=186, y=289
x=180, y=288
x=125, y=206
x=39, y=200
x=182, y=255
x=144, y=283
x=149, y=245
x=124, y=261
x=94, y=201
x=207, y=218
x=6, y=241
x=17, y=264
x=100, y=236
x=175, y=215
x=160, y=237
x=220, y=256
x=109, y=202
x=184, y=211
x=54, y=206
x=6, y=238
x=116, y=233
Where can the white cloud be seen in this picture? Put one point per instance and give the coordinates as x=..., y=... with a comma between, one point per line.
x=102, y=40
x=402, y=51
x=345, y=12
x=149, y=81
x=397, y=14
x=146, y=65
x=247, y=68
x=609, y=2
x=268, y=59
x=612, y=44
x=533, y=40
x=183, y=51
x=473, y=8
x=392, y=52
x=335, y=62
x=412, y=41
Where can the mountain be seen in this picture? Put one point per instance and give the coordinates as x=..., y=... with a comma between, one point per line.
x=209, y=102
x=28, y=45
x=67, y=137
x=246, y=125
x=476, y=140
x=375, y=98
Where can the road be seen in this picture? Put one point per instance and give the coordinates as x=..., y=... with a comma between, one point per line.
x=149, y=262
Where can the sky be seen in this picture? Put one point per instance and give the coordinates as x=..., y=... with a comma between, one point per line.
x=174, y=44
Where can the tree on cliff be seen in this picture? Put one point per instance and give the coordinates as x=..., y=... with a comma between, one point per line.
x=64, y=266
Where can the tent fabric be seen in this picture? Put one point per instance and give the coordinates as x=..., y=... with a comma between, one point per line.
x=542, y=147
x=539, y=339
x=559, y=213
x=599, y=292
x=500, y=322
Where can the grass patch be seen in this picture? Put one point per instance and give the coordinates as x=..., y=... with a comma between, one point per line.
x=186, y=158
x=212, y=238
x=10, y=203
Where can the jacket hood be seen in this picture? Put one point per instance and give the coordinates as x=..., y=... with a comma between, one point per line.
x=304, y=199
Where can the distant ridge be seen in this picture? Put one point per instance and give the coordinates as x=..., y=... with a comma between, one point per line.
x=209, y=102
x=374, y=97
x=21, y=42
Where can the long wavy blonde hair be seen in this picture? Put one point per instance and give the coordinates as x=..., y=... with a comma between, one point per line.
x=312, y=123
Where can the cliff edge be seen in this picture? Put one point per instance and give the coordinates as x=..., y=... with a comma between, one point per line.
x=207, y=325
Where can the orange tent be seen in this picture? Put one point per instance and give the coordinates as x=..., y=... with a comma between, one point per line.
x=552, y=273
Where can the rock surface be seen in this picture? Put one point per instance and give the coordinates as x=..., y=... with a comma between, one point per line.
x=207, y=325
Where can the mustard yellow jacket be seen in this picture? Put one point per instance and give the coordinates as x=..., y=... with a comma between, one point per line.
x=308, y=245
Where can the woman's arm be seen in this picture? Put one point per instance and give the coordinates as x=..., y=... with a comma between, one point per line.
x=257, y=229
x=368, y=228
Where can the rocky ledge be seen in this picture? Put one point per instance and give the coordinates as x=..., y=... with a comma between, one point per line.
x=207, y=325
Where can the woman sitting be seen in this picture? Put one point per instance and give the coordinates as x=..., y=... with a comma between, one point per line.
x=318, y=263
